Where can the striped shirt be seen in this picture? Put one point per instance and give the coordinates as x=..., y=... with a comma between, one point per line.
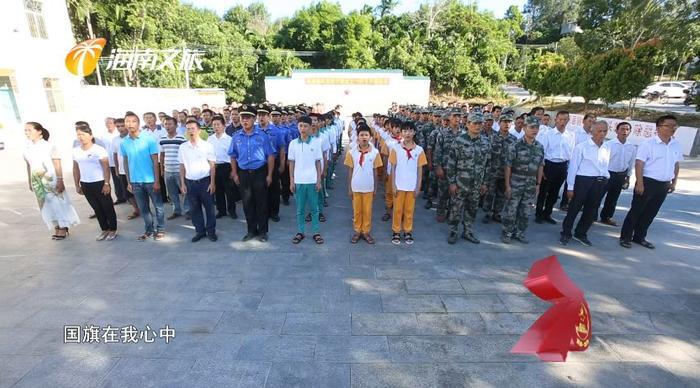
x=170, y=146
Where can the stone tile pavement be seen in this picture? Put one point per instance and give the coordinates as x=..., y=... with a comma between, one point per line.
x=338, y=315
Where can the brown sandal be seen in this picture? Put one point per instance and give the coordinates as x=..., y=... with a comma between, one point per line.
x=297, y=238
x=368, y=238
x=355, y=238
x=317, y=238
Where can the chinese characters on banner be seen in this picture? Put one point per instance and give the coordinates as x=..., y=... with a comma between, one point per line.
x=150, y=59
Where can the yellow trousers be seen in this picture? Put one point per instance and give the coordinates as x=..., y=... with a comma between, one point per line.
x=404, y=205
x=362, y=212
x=388, y=193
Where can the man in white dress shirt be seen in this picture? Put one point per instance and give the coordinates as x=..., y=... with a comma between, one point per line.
x=558, y=145
x=588, y=176
x=518, y=127
x=198, y=180
x=621, y=166
x=656, y=170
x=581, y=134
x=227, y=193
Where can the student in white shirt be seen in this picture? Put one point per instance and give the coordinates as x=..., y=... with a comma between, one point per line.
x=621, y=166
x=407, y=160
x=305, y=157
x=325, y=145
x=91, y=175
x=227, y=194
x=198, y=181
x=364, y=163
x=588, y=177
x=656, y=171
x=393, y=139
x=558, y=145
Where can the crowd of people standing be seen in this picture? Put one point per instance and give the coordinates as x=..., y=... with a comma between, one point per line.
x=461, y=158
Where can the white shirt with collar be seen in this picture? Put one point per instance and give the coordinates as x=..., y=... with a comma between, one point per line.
x=659, y=158
x=558, y=146
x=518, y=135
x=588, y=160
x=196, y=158
x=221, y=146
x=621, y=156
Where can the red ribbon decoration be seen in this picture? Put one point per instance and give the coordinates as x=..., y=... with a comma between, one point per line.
x=566, y=326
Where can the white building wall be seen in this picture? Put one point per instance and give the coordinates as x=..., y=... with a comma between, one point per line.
x=332, y=87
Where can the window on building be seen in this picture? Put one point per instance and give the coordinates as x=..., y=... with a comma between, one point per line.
x=54, y=94
x=35, y=19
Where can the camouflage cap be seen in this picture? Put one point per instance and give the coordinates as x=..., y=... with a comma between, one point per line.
x=488, y=116
x=475, y=117
x=446, y=116
x=532, y=121
x=506, y=117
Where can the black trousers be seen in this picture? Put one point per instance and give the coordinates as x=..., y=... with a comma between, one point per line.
x=588, y=191
x=101, y=204
x=284, y=181
x=253, y=189
x=226, y=190
x=274, y=191
x=119, y=188
x=612, y=194
x=564, y=199
x=644, y=209
x=554, y=176
x=201, y=205
x=163, y=189
x=125, y=183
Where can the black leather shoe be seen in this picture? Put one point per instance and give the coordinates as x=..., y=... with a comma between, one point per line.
x=625, y=244
x=263, y=237
x=644, y=243
x=248, y=237
x=275, y=218
x=198, y=237
x=213, y=237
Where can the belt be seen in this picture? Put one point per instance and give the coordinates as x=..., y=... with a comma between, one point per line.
x=264, y=166
x=618, y=172
x=551, y=162
x=198, y=180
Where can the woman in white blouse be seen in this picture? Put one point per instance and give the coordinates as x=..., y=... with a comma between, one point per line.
x=45, y=176
x=91, y=175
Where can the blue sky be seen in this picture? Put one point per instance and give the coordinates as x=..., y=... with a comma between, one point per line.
x=281, y=8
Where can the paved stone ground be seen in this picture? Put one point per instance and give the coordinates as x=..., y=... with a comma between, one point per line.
x=338, y=315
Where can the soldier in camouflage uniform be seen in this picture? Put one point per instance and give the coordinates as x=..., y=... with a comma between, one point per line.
x=523, y=174
x=468, y=175
x=494, y=198
x=423, y=128
x=438, y=127
x=443, y=144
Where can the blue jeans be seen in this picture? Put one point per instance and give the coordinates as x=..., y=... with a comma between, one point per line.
x=144, y=194
x=199, y=197
x=172, y=184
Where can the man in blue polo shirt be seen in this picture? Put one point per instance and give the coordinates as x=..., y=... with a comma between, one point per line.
x=252, y=164
x=140, y=153
x=280, y=150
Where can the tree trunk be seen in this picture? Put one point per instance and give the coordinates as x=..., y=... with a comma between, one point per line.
x=680, y=64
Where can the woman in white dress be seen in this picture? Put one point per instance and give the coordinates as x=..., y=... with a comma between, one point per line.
x=45, y=177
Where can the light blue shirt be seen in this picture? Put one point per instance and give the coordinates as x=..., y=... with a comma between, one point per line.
x=139, y=151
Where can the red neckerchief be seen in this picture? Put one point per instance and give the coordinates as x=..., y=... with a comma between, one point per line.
x=362, y=154
x=408, y=152
x=397, y=138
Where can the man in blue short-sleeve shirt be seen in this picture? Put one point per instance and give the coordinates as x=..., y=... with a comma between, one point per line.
x=252, y=164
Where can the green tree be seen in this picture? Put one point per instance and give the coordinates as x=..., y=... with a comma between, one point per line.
x=546, y=75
